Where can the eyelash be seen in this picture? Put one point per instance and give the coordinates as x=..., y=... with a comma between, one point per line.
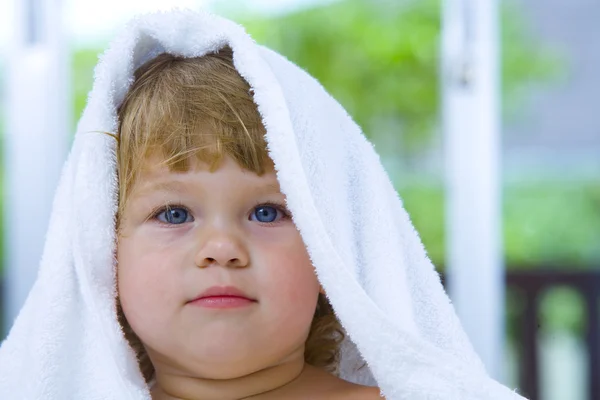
x=276, y=205
x=279, y=206
x=169, y=206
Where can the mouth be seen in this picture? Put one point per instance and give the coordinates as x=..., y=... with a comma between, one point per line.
x=223, y=297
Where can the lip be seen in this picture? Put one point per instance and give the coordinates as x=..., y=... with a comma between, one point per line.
x=223, y=297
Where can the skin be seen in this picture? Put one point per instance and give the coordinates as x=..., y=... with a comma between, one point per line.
x=182, y=233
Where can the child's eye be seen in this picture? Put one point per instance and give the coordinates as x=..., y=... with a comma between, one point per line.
x=173, y=215
x=267, y=213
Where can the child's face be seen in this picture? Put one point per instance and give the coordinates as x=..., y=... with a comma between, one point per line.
x=224, y=228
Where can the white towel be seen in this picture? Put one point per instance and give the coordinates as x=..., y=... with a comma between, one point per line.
x=66, y=342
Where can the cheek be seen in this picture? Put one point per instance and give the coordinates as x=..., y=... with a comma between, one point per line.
x=144, y=284
x=288, y=279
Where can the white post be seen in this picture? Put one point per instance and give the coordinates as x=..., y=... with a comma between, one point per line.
x=470, y=82
x=35, y=142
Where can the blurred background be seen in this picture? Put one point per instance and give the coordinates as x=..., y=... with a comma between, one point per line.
x=384, y=61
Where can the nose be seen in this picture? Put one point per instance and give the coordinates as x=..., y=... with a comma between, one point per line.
x=222, y=249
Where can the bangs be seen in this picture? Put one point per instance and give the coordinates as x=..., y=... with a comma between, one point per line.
x=188, y=110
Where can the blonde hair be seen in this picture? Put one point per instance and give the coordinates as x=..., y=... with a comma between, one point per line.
x=187, y=109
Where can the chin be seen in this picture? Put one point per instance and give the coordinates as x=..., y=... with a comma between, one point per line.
x=232, y=359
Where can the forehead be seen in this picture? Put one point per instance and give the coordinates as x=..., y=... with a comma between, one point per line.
x=155, y=176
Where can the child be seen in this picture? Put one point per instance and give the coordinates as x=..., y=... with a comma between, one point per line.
x=200, y=252
x=202, y=221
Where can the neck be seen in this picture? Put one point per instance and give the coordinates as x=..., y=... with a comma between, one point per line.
x=173, y=386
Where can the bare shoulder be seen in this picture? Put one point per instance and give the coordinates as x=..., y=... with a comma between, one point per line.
x=359, y=392
x=344, y=390
x=319, y=384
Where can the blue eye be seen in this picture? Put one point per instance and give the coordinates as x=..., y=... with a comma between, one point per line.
x=266, y=214
x=175, y=215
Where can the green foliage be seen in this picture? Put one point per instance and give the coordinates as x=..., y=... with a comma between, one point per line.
x=556, y=225
x=380, y=60
x=525, y=60
x=82, y=67
x=562, y=309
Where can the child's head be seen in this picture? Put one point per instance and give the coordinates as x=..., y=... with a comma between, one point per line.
x=200, y=206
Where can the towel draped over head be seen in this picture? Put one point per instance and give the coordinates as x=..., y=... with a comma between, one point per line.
x=67, y=343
